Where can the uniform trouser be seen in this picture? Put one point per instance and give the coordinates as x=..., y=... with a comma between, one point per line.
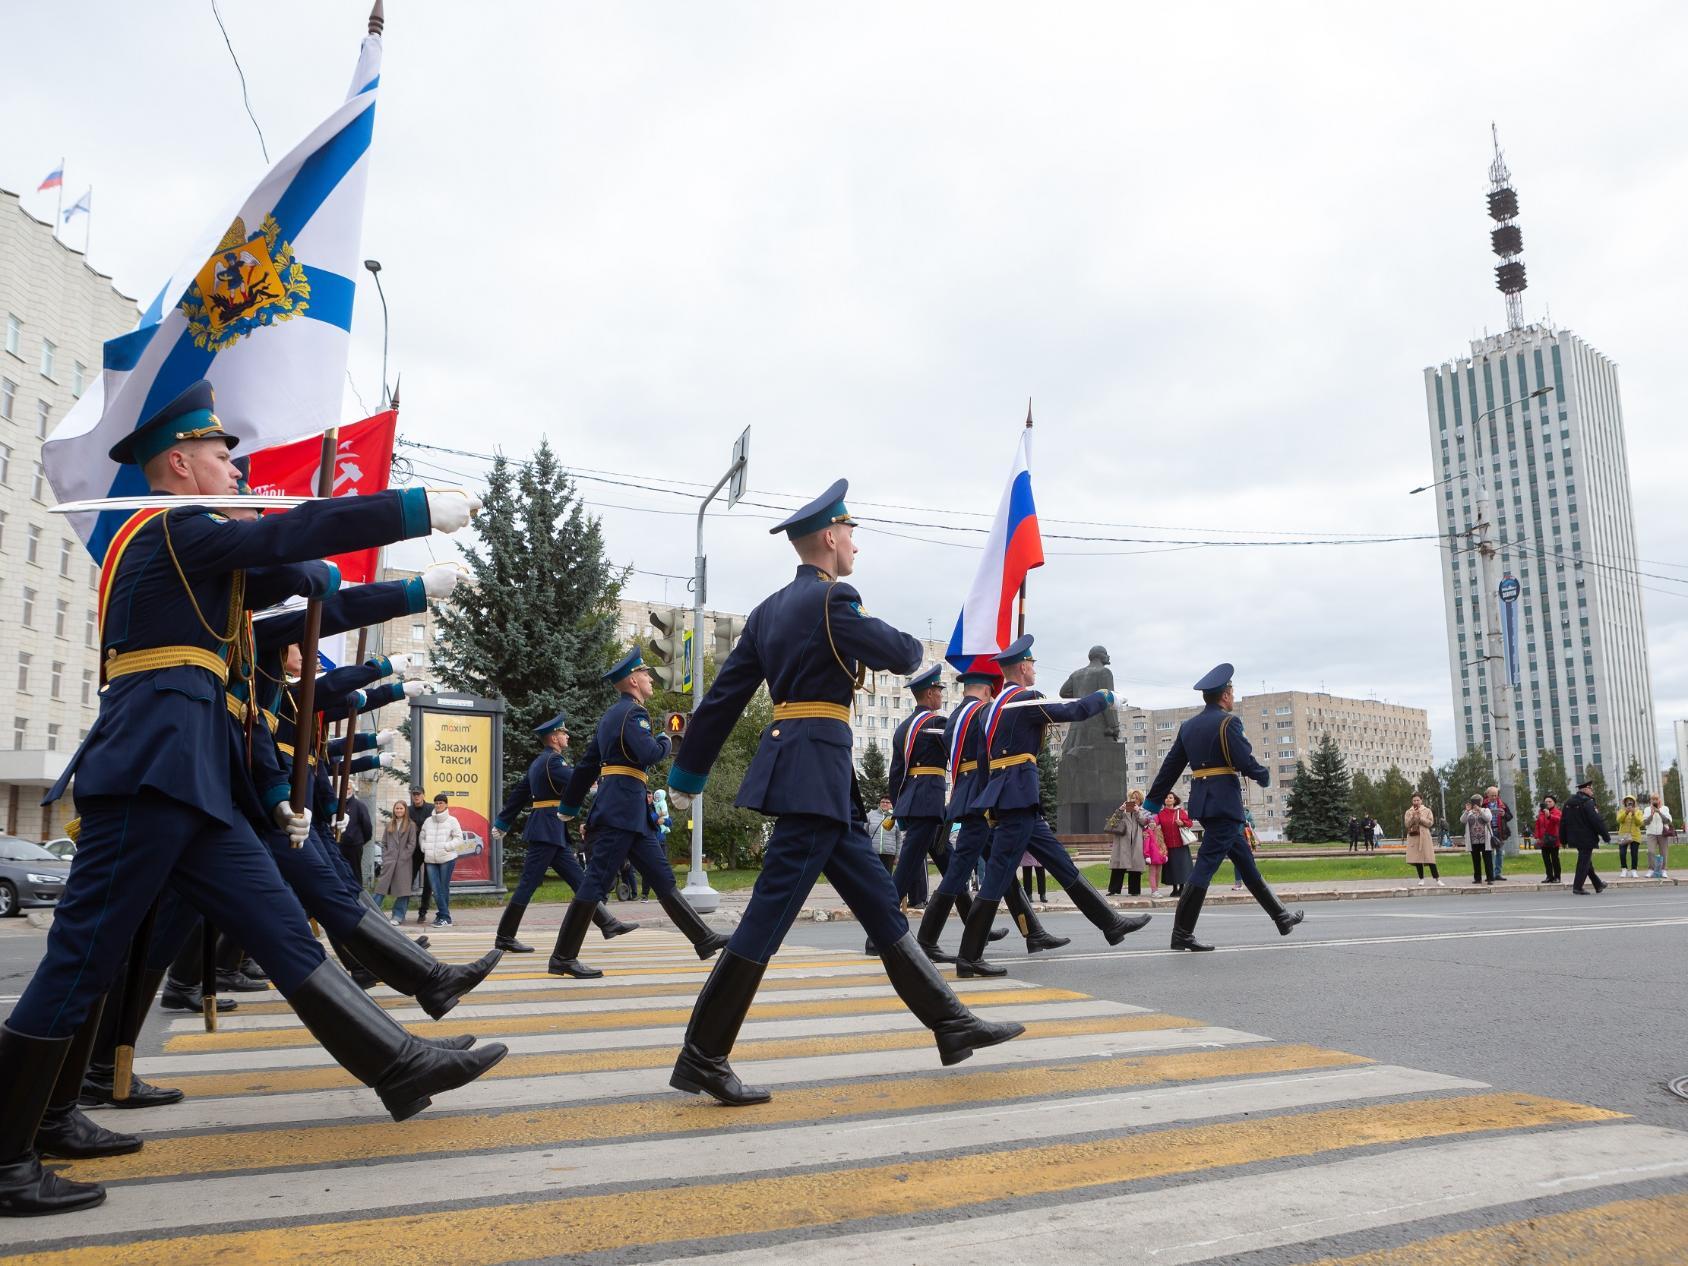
x=541, y=858
x=128, y=849
x=614, y=845
x=972, y=841
x=802, y=848
x=1021, y=831
x=1585, y=872
x=1223, y=840
x=922, y=838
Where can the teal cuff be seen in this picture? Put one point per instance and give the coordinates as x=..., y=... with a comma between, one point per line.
x=380, y=663
x=568, y=810
x=333, y=577
x=499, y=824
x=413, y=503
x=275, y=795
x=415, y=596
x=685, y=782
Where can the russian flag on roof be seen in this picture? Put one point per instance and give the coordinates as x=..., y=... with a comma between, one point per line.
x=1014, y=547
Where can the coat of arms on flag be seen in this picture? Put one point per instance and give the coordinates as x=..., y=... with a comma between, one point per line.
x=248, y=283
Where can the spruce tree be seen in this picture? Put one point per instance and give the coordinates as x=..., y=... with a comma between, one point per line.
x=1048, y=774
x=1323, y=797
x=873, y=776
x=536, y=623
x=1673, y=792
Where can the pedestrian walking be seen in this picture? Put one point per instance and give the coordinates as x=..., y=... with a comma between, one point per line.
x=1581, y=827
x=398, y=878
x=1479, y=826
x=1174, y=822
x=1547, y=838
x=1416, y=826
x=1658, y=828
x=1629, y=839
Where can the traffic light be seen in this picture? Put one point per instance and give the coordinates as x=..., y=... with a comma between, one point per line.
x=727, y=631
x=666, y=652
x=674, y=725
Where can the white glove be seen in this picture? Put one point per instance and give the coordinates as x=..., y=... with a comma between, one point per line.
x=451, y=511
x=680, y=800
x=414, y=688
x=341, y=823
x=400, y=663
x=440, y=579
x=297, y=825
x=386, y=738
x=385, y=760
x=497, y=834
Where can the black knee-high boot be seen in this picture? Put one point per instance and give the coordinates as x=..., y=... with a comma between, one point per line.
x=958, y=1031
x=29, y=1070
x=970, y=957
x=397, y=961
x=705, y=940
x=932, y=926
x=65, y=1130
x=1038, y=938
x=964, y=907
x=565, y=958
x=99, y=1083
x=1262, y=892
x=1184, y=920
x=718, y=1015
x=1114, y=926
x=509, y=923
x=182, y=990
x=609, y=925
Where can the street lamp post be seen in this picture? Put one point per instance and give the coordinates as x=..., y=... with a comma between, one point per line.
x=374, y=266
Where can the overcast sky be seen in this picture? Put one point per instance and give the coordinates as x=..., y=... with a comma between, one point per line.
x=1217, y=247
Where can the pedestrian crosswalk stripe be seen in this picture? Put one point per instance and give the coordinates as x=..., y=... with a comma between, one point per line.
x=564, y=1021
x=280, y=1149
x=840, y=1196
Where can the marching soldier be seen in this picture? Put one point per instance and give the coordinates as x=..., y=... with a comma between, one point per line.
x=812, y=643
x=1212, y=745
x=621, y=749
x=968, y=773
x=550, y=843
x=916, y=783
x=1013, y=727
x=167, y=797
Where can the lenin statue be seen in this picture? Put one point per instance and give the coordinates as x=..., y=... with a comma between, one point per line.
x=1092, y=757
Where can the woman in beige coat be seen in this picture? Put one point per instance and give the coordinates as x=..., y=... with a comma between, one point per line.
x=1125, y=859
x=1421, y=842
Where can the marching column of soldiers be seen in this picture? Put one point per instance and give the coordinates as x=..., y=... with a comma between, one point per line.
x=194, y=870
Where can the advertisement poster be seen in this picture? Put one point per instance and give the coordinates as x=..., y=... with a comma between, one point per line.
x=456, y=757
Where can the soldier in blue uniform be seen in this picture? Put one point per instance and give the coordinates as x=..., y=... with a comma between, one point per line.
x=622, y=749
x=916, y=784
x=812, y=643
x=963, y=745
x=550, y=842
x=167, y=796
x=1013, y=726
x=1212, y=746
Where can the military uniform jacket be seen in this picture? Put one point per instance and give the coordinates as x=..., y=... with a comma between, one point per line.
x=170, y=730
x=1014, y=736
x=808, y=641
x=1213, y=739
x=622, y=738
x=547, y=780
x=916, y=785
x=963, y=743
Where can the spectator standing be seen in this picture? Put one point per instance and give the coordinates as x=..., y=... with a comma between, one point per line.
x=1501, y=814
x=657, y=806
x=1629, y=840
x=882, y=830
x=442, y=841
x=1416, y=827
x=1377, y=834
x=1581, y=827
x=1154, y=851
x=398, y=878
x=1173, y=823
x=1353, y=835
x=1658, y=827
x=1479, y=824
x=1030, y=867
x=1547, y=838
x=1125, y=859
x=357, y=839
x=420, y=810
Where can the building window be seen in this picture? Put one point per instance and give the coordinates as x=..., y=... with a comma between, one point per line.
x=55, y=681
x=43, y=418
x=78, y=378
x=67, y=552
x=90, y=628
x=52, y=736
x=27, y=613
x=47, y=351
x=5, y=464
x=24, y=661
x=8, y=397
x=61, y=617
x=20, y=732
x=32, y=545
x=2, y=530
x=38, y=485
x=14, y=336
x=87, y=687
x=418, y=632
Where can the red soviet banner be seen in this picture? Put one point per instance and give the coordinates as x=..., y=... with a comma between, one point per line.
x=363, y=465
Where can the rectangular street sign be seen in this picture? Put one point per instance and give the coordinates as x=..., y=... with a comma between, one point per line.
x=741, y=467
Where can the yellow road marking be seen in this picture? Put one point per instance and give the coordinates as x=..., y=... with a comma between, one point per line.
x=693, y=968
x=295, y=1147
x=564, y=1022
x=1650, y=1232
x=589, y=1224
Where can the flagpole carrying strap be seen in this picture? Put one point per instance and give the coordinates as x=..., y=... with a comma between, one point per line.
x=812, y=711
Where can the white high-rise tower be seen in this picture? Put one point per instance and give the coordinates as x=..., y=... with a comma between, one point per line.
x=1535, y=413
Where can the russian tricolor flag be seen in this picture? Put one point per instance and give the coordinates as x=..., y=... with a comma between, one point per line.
x=1014, y=547
x=55, y=179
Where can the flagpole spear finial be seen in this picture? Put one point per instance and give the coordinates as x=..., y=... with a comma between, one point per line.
x=1028, y=413
x=394, y=402
x=377, y=19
